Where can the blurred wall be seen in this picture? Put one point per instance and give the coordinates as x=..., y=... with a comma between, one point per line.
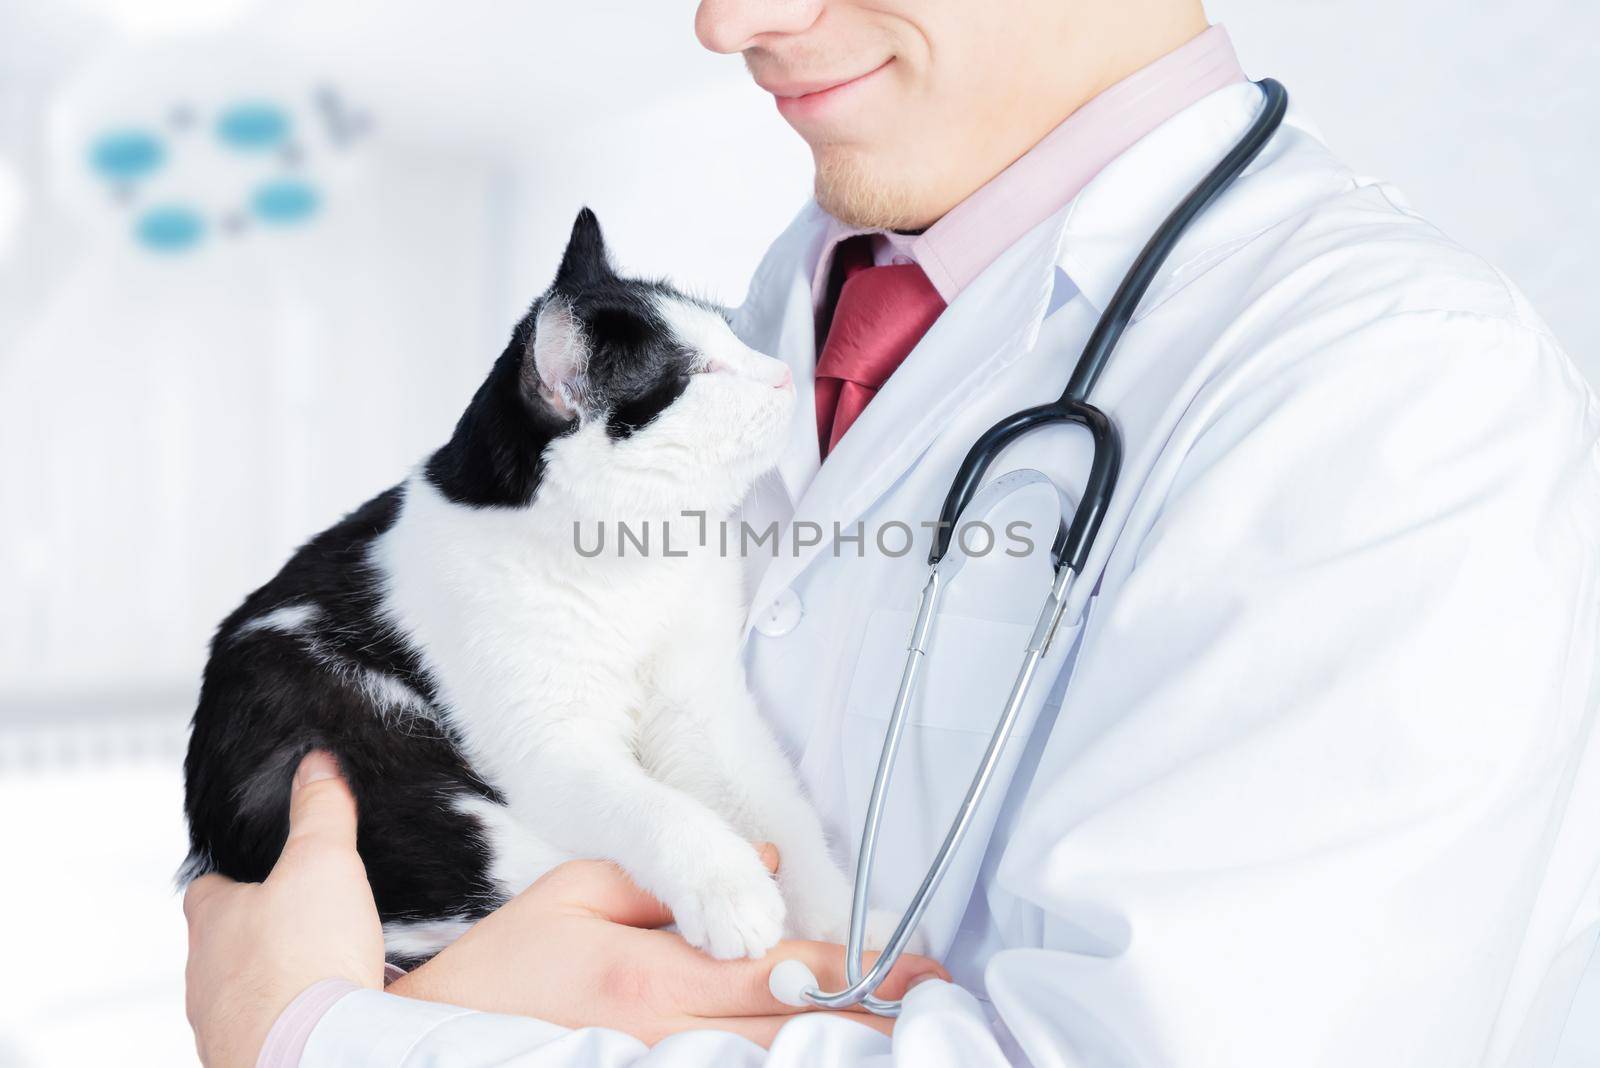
x=171, y=425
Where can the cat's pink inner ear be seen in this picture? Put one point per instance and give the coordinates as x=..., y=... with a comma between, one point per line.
x=559, y=355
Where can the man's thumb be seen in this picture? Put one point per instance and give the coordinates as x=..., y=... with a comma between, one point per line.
x=322, y=811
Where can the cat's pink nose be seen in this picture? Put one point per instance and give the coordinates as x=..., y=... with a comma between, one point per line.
x=785, y=378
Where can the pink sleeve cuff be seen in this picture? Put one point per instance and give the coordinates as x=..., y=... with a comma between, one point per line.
x=287, y=1040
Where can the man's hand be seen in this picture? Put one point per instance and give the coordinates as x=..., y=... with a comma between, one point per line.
x=579, y=948
x=253, y=947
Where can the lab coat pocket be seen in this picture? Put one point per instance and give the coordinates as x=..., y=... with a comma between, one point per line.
x=967, y=677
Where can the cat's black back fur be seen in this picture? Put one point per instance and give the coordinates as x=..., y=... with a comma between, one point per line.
x=268, y=697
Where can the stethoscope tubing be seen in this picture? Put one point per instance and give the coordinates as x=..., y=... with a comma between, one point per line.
x=1073, y=406
x=1070, y=553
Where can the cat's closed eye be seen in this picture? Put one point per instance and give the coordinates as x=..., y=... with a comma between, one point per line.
x=714, y=365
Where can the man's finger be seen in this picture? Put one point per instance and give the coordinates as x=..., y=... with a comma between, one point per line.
x=202, y=890
x=322, y=811
x=739, y=987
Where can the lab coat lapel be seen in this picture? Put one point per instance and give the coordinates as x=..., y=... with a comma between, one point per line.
x=777, y=318
x=797, y=347
x=991, y=322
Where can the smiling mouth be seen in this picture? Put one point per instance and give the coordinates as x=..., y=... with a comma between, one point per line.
x=805, y=96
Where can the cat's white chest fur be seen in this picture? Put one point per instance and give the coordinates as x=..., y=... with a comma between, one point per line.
x=522, y=626
x=602, y=696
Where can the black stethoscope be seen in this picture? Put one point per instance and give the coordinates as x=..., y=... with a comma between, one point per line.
x=791, y=981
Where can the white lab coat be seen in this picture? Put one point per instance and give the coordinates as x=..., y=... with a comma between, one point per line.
x=1316, y=780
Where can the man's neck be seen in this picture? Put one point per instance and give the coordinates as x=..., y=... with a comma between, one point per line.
x=1130, y=53
x=970, y=236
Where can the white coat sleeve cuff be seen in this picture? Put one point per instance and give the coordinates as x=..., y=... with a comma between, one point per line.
x=376, y=1030
x=287, y=1040
x=371, y=1030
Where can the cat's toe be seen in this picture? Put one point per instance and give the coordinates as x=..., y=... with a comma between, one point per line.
x=742, y=924
x=737, y=915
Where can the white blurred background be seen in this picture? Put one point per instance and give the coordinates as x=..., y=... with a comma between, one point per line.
x=254, y=257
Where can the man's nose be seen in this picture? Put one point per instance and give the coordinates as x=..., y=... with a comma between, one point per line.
x=733, y=25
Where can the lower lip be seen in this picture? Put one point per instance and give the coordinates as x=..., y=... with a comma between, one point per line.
x=814, y=104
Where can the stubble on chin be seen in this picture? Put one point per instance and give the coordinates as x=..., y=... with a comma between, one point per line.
x=859, y=193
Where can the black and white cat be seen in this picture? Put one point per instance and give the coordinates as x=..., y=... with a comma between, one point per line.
x=499, y=701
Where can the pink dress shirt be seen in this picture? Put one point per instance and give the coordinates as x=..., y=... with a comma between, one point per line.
x=973, y=234
x=952, y=252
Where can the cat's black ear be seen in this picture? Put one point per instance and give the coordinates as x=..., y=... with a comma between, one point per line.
x=584, y=263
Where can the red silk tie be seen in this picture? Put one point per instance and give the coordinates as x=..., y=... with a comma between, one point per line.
x=878, y=317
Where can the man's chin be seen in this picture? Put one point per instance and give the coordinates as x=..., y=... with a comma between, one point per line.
x=857, y=193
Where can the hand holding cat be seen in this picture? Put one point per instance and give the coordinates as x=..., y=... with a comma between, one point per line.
x=254, y=946
x=579, y=948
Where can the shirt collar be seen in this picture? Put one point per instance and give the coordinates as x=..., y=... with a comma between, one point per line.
x=972, y=235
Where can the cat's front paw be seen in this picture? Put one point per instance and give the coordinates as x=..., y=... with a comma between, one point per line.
x=730, y=908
